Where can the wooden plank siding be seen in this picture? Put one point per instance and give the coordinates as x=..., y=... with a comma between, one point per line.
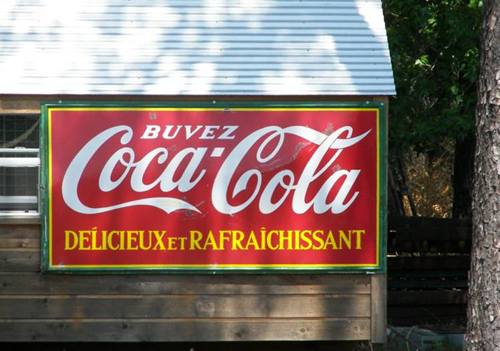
x=153, y=307
x=184, y=330
x=159, y=307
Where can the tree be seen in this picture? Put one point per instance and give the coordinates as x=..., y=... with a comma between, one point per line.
x=483, y=330
x=434, y=51
x=435, y=54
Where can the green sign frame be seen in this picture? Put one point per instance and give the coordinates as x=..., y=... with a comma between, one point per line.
x=382, y=178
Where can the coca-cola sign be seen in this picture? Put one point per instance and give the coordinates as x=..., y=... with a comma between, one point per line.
x=213, y=187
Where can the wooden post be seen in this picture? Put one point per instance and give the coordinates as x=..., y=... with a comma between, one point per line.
x=379, y=308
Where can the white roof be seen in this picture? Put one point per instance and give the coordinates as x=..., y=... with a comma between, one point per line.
x=194, y=47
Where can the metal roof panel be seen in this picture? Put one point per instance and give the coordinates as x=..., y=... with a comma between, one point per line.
x=219, y=47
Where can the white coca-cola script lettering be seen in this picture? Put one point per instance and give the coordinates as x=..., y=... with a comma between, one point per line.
x=270, y=137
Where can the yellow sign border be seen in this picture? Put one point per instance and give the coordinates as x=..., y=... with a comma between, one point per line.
x=212, y=266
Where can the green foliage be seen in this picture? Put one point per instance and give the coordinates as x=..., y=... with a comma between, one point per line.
x=435, y=56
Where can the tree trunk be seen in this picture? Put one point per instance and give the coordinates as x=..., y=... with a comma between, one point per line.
x=462, y=177
x=483, y=329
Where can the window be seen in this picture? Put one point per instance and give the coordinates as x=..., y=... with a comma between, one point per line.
x=19, y=164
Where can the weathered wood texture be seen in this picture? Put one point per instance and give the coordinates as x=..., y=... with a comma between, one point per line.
x=50, y=307
x=23, y=104
x=180, y=306
x=379, y=308
x=52, y=284
x=183, y=329
x=56, y=307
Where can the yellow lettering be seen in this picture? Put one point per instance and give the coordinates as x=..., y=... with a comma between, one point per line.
x=263, y=234
x=359, y=238
x=172, y=243
x=305, y=235
x=104, y=242
x=111, y=234
x=183, y=242
x=70, y=240
x=269, y=240
x=142, y=240
x=210, y=242
x=252, y=241
x=330, y=241
x=345, y=239
x=237, y=240
x=224, y=235
x=194, y=240
x=159, y=239
x=85, y=236
x=285, y=238
x=93, y=245
x=132, y=240
x=122, y=239
x=319, y=242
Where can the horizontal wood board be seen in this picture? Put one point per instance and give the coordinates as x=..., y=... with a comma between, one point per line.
x=152, y=307
x=66, y=308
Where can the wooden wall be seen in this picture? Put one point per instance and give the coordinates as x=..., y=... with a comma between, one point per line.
x=58, y=307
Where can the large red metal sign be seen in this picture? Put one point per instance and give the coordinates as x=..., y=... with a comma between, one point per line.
x=276, y=187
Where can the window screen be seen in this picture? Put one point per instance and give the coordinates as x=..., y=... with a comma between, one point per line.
x=19, y=163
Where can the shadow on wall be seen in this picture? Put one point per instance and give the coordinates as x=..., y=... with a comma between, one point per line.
x=226, y=346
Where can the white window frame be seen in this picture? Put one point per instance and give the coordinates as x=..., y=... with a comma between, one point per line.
x=18, y=215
